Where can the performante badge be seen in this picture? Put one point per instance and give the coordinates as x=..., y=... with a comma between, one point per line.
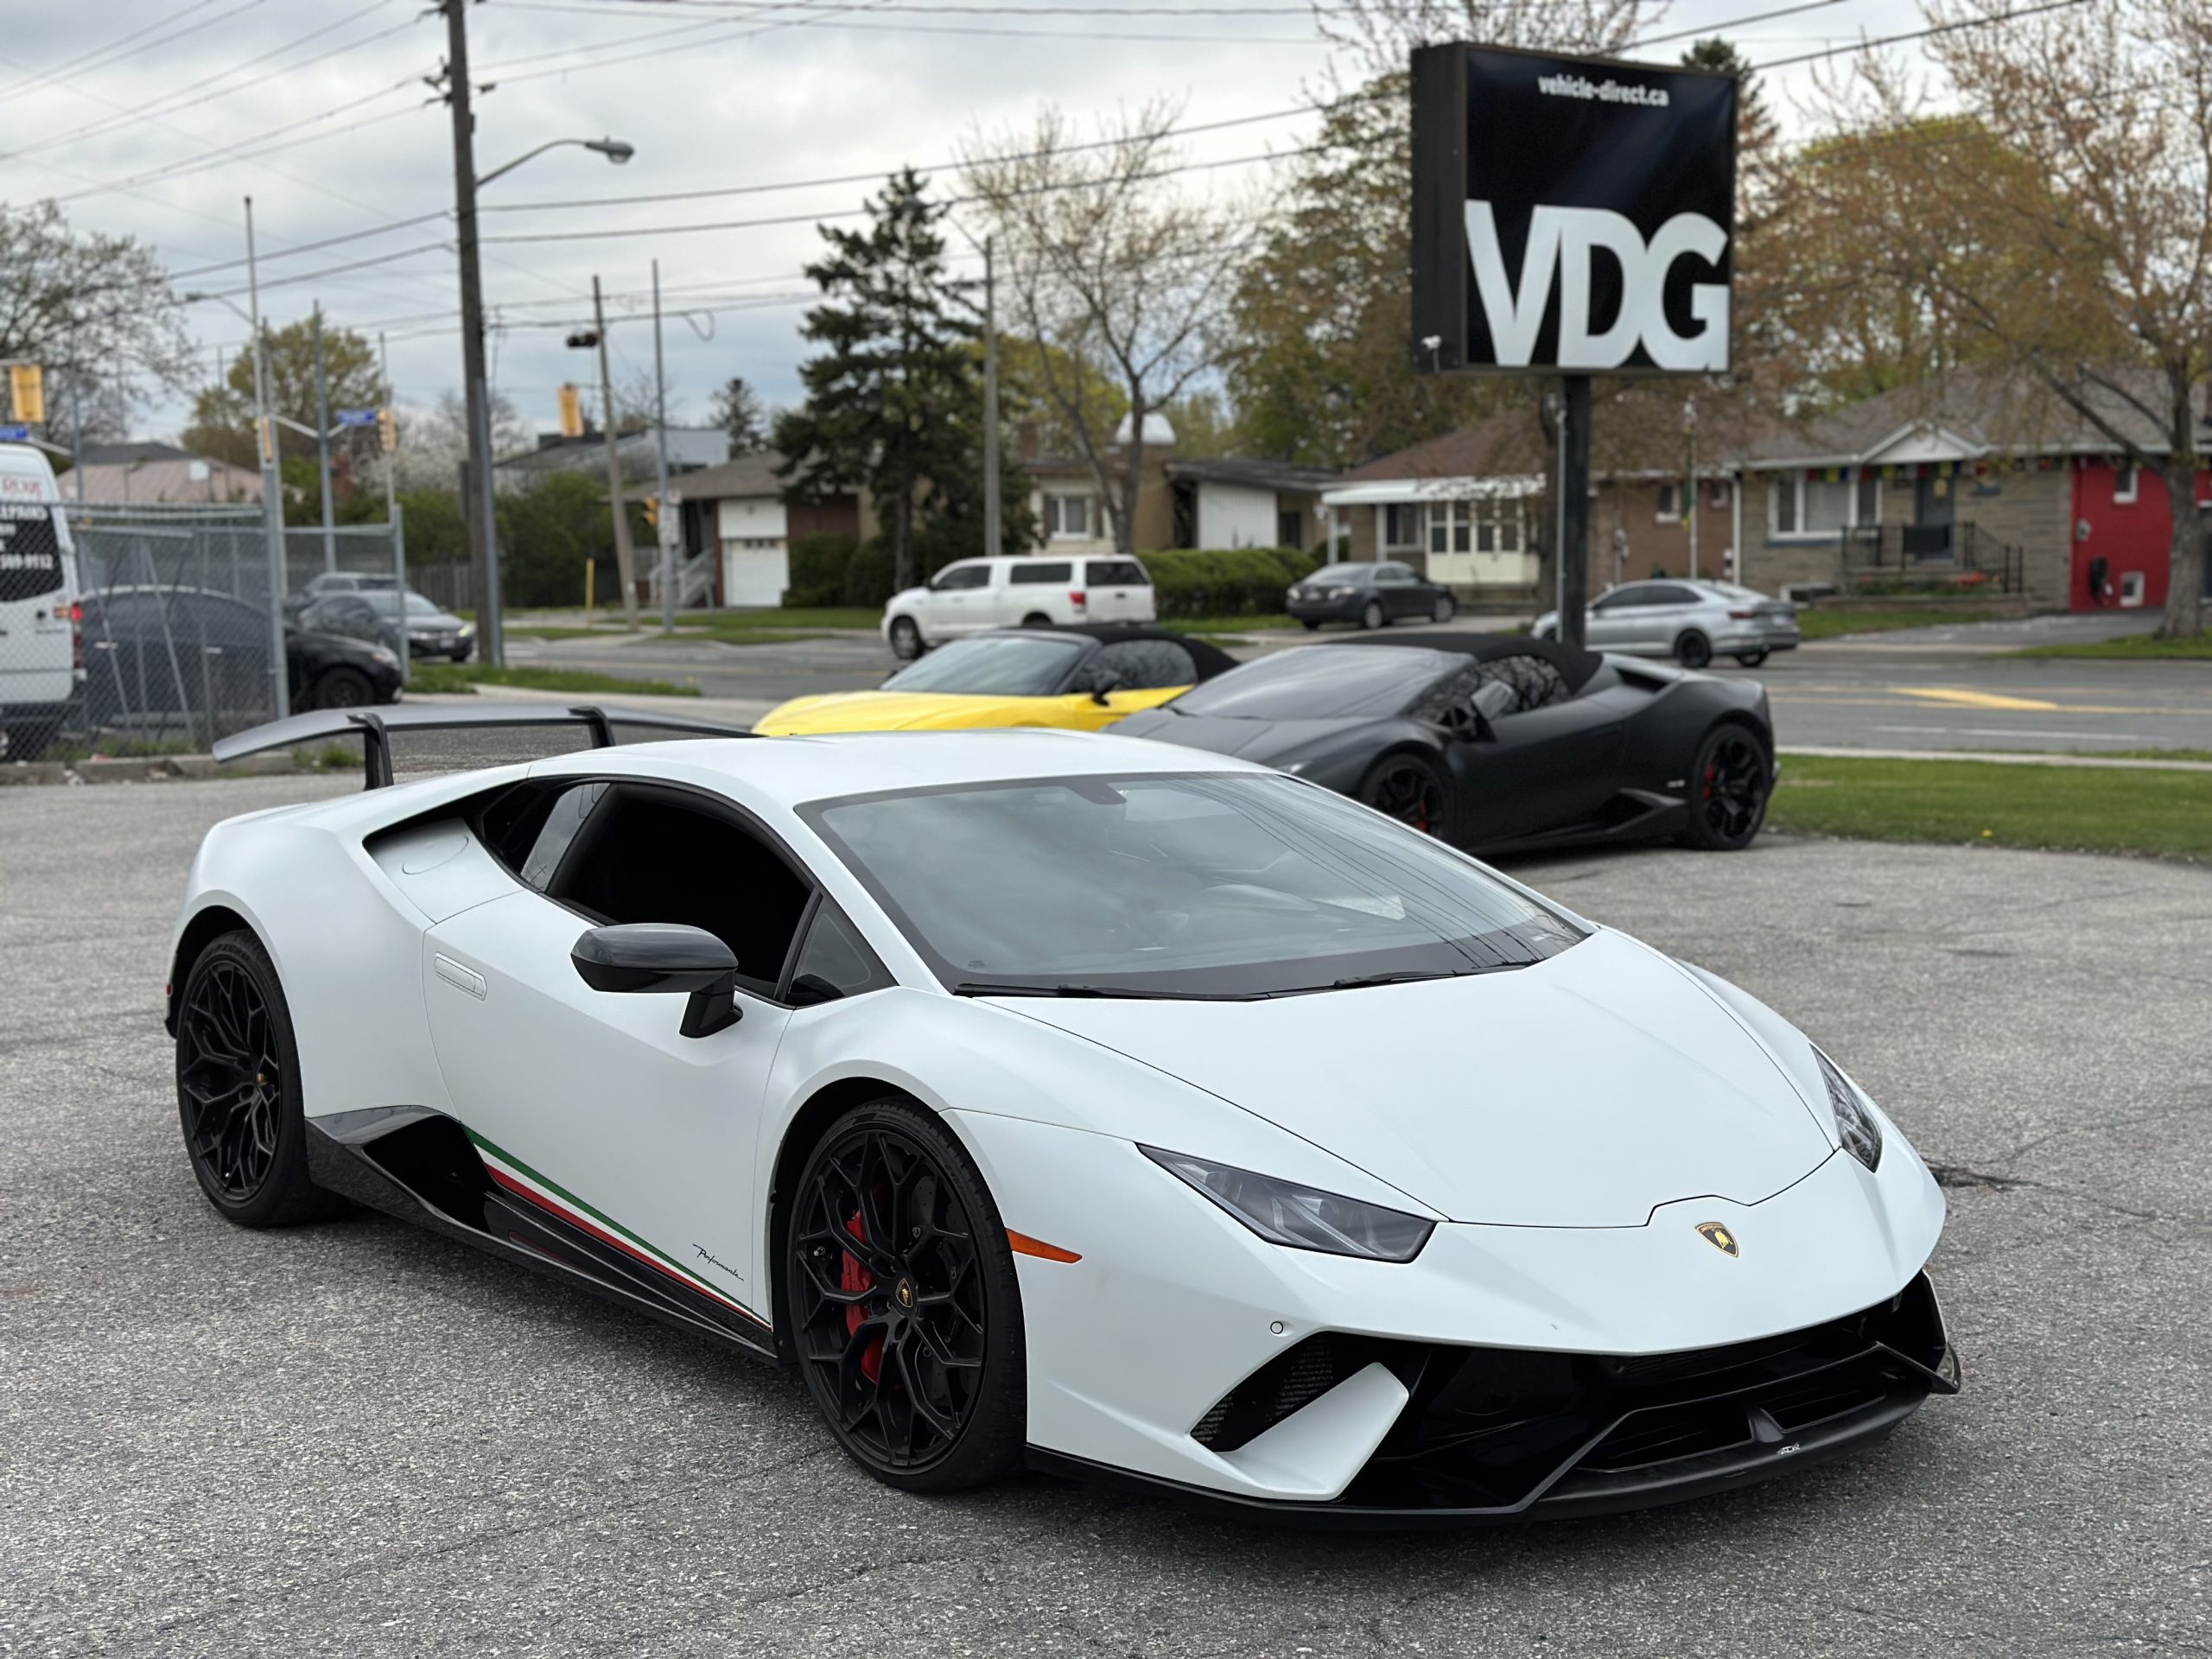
x=1719, y=1237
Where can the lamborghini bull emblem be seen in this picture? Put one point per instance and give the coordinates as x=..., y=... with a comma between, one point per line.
x=1719, y=1237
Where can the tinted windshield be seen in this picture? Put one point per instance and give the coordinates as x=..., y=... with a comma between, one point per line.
x=1317, y=683
x=1343, y=573
x=387, y=603
x=1237, y=885
x=993, y=665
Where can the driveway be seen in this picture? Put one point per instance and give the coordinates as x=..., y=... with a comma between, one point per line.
x=358, y=1439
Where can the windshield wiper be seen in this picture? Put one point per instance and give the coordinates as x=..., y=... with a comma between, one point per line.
x=996, y=988
x=1360, y=982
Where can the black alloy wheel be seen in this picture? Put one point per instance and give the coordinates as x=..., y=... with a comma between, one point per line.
x=1693, y=650
x=1311, y=622
x=343, y=688
x=903, y=1303
x=1371, y=618
x=1751, y=658
x=1409, y=788
x=905, y=639
x=237, y=1089
x=1729, y=786
x=1441, y=612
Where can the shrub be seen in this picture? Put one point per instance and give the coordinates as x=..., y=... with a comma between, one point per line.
x=1227, y=582
x=818, y=565
x=868, y=575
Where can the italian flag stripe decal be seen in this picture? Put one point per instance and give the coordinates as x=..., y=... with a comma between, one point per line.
x=516, y=1176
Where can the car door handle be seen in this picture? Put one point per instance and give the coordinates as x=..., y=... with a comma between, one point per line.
x=466, y=979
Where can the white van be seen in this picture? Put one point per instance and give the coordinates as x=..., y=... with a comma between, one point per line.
x=1008, y=593
x=42, y=649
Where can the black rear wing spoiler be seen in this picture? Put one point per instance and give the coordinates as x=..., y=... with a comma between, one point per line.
x=374, y=728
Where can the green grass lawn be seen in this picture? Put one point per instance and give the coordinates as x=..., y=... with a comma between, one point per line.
x=2136, y=648
x=468, y=676
x=2070, y=809
x=1820, y=623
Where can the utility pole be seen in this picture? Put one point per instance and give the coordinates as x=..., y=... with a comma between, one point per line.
x=993, y=532
x=322, y=446
x=483, y=549
x=1690, y=486
x=1573, y=505
x=663, y=520
x=625, y=560
x=272, y=485
x=77, y=411
x=388, y=414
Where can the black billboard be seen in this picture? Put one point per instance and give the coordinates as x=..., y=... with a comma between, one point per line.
x=1570, y=215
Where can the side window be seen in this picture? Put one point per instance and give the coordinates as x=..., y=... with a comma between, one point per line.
x=647, y=855
x=1115, y=573
x=835, y=961
x=1668, y=595
x=955, y=576
x=570, y=810
x=1393, y=573
x=1623, y=598
x=1536, y=683
x=1143, y=665
x=1040, y=570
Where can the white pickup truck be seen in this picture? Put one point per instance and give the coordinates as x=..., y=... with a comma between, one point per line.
x=41, y=652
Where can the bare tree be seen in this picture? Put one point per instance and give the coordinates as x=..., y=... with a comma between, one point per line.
x=2062, y=220
x=1114, y=269
x=1383, y=34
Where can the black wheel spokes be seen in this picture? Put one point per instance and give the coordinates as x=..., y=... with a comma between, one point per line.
x=1409, y=797
x=1734, y=788
x=890, y=1313
x=229, y=1074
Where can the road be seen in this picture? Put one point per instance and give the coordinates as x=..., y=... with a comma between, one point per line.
x=358, y=1439
x=1896, y=691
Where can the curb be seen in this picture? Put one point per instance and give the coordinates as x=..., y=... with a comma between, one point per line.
x=1999, y=757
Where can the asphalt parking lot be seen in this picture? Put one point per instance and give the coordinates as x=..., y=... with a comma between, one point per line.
x=357, y=1438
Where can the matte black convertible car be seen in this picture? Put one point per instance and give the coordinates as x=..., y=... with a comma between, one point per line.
x=1492, y=741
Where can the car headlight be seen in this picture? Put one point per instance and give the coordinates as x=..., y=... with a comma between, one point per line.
x=1299, y=1217
x=383, y=655
x=466, y=631
x=1854, y=1123
x=1338, y=593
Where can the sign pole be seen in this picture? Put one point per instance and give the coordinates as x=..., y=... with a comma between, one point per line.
x=1574, y=507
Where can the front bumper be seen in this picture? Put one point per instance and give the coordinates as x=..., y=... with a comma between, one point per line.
x=1497, y=1435
x=1146, y=1355
x=1325, y=610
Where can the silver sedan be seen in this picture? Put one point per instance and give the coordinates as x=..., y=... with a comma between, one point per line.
x=1691, y=621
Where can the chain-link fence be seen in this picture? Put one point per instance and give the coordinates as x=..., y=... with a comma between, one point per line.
x=138, y=628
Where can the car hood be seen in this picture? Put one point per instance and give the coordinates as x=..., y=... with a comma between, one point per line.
x=1269, y=742
x=894, y=711
x=1584, y=1091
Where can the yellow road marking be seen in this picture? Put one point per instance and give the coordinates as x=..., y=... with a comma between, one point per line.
x=1958, y=697
x=1795, y=695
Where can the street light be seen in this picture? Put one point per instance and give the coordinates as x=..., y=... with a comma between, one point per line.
x=483, y=525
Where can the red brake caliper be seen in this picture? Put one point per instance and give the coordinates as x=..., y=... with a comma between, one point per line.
x=1712, y=771
x=852, y=1276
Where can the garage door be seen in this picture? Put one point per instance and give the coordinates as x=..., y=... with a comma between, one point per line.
x=755, y=571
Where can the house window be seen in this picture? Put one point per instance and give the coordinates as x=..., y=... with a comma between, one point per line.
x=1821, y=506
x=1067, y=518
x=1451, y=526
x=1498, y=525
x=2127, y=482
x=1719, y=494
x=1290, y=528
x=1400, y=524
x=1670, y=503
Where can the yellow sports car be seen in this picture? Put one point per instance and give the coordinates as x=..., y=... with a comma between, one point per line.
x=1082, y=678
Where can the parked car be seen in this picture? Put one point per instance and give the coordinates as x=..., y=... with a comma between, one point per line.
x=374, y=614
x=1691, y=621
x=1081, y=678
x=157, y=656
x=978, y=594
x=41, y=661
x=351, y=581
x=1370, y=593
x=1491, y=741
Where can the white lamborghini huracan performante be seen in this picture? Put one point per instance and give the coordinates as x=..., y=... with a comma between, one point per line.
x=1066, y=1100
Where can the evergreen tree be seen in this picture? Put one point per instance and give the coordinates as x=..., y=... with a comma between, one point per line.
x=893, y=401
x=740, y=412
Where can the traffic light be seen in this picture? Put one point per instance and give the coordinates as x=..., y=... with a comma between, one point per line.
x=387, y=429
x=572, y=411
x=583, y=339
x=652, y=511
x=27, y=390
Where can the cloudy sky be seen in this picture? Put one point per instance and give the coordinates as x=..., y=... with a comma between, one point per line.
x=155, y=118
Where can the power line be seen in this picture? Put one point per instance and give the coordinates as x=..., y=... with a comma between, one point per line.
x=107, y=50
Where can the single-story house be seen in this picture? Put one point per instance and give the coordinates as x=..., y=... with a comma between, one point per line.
x=690, y=448
x=1210, y=503
x=160, y=472
x=743, y=514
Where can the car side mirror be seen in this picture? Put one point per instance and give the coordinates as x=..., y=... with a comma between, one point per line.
x=1100, y=683
x=1492, y=700
x=661, y=956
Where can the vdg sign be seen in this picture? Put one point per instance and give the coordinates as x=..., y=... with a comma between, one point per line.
x=1570, y=215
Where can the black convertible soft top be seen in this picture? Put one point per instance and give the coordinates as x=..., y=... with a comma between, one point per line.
x=1211, y=659
x=1575, y=664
